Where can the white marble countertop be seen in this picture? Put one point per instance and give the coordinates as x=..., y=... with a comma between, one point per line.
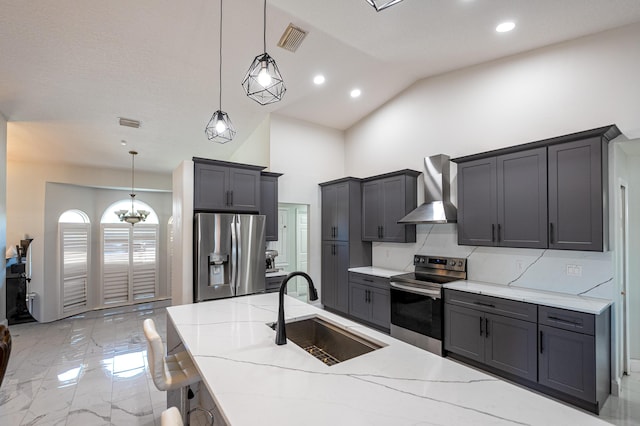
x=254, y=381
x=378, y=272
x=589, y=305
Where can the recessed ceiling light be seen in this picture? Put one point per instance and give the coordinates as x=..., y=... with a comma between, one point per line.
x=355, y=93
x=505, y=27
x=123, y=142
x=318, y=79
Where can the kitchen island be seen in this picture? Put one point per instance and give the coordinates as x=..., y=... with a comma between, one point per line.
x=253, y=381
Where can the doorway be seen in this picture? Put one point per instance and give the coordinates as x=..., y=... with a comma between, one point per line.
x=293, y=245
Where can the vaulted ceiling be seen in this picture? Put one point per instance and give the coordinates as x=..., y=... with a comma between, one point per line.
x=70, y=68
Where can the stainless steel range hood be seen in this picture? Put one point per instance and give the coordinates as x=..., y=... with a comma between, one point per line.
x=437, y=207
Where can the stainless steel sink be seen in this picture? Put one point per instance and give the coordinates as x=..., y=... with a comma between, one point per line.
x=327, y=342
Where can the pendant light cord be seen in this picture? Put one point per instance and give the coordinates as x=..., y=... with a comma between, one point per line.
x=220, y=93
x=264, y=27
x=133, y=156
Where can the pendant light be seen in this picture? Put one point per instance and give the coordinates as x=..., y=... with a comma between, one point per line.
x=380, y=5
x=133, y=216
x=263, y=82
x=220, y=128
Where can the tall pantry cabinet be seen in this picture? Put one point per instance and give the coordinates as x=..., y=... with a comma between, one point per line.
x=342, y=245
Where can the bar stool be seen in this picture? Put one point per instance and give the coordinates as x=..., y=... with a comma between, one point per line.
x=5, y=350
x=170, y=372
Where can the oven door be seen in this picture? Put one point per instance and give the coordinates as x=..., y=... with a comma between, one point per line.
x=416, y=312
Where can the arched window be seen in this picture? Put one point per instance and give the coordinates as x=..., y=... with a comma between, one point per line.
x=129, y=256
x=73, y=235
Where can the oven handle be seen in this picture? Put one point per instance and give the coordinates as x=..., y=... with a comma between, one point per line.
x=434, y=294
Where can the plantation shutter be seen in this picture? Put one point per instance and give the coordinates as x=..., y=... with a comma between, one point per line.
x=75, y=244
x=145, y=239
x=115, y=249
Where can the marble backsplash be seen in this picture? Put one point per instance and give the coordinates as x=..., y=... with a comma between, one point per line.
x=564, y=271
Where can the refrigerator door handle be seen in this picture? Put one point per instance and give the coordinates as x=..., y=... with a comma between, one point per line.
x=235, y=237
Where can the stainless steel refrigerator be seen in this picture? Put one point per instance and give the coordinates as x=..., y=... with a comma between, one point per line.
x=229, y=255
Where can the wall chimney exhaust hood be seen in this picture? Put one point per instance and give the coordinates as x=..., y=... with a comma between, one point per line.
x=437, y=207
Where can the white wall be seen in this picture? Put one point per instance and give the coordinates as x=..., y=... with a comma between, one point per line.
x=3, y=216
x=566, y=88
x=307, y=154
x=255, y=149
x=26, y=206
x=633, y=166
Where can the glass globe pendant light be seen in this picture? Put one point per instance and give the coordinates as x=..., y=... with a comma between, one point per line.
x=263, y=82
x=220, y=128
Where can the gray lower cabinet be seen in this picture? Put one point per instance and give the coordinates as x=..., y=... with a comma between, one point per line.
x=563, y=353
x=385, y=200
x=269, y=203
x=335, y=275
x=369, y=299
x=574, y=354
x=501, y=342
x=222, y=186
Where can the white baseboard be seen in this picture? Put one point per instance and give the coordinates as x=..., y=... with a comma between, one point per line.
x=616, y=387
x=634, y=366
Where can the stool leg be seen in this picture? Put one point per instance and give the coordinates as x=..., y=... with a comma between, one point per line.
x=184, y=404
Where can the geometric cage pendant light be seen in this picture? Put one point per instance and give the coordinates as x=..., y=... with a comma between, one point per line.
x=263, y=82
x=220, y=128
x=380, y=5
x=133, y=216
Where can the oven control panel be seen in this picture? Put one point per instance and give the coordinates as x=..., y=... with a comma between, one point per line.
x=440, y=262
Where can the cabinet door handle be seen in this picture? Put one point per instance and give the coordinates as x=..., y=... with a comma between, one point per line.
x=493, y=232
x=486, y=327
x=499, y=228
x=369, y=280
x=541, y=347
x=231, y=198
x=550, y=232
x=227, y=198
x=481, y=326
x=382, y=232
x=564, y=321
x=488, y=305
x=368, y=296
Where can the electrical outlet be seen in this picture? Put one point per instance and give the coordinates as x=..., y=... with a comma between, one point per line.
x=574, y=270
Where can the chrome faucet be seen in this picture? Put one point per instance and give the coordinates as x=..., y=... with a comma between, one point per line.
x=281, y=332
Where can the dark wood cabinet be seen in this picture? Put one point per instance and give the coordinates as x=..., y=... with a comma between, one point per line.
x=342, y=245
x=576, y=190
x=385, y=200
x=502, y=342
x=369, y=300
x=221, y=186
x=503, y=200
x=269, y=203
x=545, y=194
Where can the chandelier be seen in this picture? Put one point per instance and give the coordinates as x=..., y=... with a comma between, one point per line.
x=220, y=128
x=380, y=5
x=263, y=82
x=133, y=216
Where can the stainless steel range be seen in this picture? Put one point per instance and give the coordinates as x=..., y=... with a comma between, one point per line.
x=417, y=310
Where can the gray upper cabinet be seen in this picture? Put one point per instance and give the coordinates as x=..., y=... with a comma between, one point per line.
x=503, y=200
x=522, y=199
x=335, y=211
x=269, y=203
x=576, y=195
x=385, y=200
x=222, y=186
x=477, y=202
x=545, y=194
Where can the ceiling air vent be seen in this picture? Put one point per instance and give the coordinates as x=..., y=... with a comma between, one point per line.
x=129, y=122
x=292, y=38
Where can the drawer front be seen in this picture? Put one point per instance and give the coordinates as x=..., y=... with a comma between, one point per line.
x=495, y=305
x=369, y=280
x=567, y=320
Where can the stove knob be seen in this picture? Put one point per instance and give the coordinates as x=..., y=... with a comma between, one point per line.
x=460, y=263
x=452, y=262
x=416, y=260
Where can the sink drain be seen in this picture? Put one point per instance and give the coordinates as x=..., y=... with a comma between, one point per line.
x=323, y=356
